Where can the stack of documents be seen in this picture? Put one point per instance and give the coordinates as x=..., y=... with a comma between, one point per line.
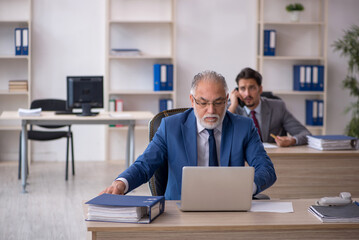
x=332, y=142
x=18, y=86
x=122, y=208
x=346, y=213
x=125, y=52
x=29, y=112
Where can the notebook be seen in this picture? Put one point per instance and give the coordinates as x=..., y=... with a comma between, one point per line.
x=216, y=188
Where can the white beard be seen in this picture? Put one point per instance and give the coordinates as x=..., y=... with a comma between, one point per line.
x=211, y=125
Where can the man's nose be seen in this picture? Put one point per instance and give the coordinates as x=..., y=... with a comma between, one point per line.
x=210, y=108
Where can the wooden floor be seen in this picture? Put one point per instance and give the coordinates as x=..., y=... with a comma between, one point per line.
x=52, y=207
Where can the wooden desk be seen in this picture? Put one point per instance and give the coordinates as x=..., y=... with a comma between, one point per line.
x=50, y=118
x=304, y=172
x=174, y=224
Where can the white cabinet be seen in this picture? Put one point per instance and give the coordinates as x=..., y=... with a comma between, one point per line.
x=149, y=26
x=297, y=43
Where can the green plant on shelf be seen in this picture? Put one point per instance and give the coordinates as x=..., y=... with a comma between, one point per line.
x=294, y=7
x=348, y=46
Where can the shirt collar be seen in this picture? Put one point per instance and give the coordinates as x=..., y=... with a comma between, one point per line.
x=257, y=109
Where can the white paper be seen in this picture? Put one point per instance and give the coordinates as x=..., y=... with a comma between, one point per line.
x=269, y=145
x=270, y=206
x=29, y=112
x=119, y=114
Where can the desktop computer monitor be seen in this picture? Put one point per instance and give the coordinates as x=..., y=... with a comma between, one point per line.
x=85, y=92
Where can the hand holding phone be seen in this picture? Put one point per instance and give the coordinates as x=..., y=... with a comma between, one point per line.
x=240, y=102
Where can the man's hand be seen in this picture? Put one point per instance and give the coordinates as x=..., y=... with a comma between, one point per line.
x=234, y=101
x=285, y=141
x=117, y=187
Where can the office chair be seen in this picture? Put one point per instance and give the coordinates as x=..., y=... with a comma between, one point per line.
x=37, y=135
x=269, y=95
x=158, y=181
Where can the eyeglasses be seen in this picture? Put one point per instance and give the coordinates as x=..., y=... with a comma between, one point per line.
x=216, y=104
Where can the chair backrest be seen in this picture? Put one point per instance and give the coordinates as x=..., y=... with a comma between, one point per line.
x=158, y=181
x=48, y=104
x=269, y=95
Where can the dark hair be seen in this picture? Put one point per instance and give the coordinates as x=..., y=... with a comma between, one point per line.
x=247, y=73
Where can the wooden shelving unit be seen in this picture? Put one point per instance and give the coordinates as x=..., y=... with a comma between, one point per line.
x=303, y=42
x=147, y=25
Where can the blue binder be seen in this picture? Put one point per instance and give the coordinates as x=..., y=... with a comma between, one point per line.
x=308, y=78
x=153, y=205
x=311, y=113
x=169, y=85
x=25, y=41
x=299, y=78
x=320, y=112
x=269, y=42
x=165, y=104
x=320, y=78
x=18, y=40
x=156, y=77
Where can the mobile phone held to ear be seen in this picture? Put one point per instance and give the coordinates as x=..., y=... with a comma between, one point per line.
x=240, y=102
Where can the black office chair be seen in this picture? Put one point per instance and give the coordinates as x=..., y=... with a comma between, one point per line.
x=51, y=105
x=158, y=181
x=269, y=95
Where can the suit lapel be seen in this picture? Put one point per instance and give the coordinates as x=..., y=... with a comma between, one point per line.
x=189, y=133
x=266, y=117
x=226, y=141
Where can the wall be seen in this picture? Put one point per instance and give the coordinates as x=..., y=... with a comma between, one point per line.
x=68, y=38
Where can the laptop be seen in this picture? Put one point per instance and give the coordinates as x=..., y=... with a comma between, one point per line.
x=216, y=188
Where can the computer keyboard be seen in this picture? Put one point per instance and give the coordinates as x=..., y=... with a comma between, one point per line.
x=65, y=112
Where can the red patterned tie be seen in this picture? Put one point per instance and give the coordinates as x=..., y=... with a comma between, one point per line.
x=253, y=115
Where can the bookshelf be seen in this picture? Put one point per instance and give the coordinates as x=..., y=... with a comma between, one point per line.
x=149, y=26
x=13, y=14
x=297, y=43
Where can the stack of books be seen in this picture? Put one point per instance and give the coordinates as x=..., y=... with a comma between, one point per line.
x=18, y=86
x=332, y=142
x=127, y=52
x=124, y=208
x=346, y=213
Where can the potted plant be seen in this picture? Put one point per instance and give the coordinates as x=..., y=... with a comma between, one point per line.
x=294, y=9
x=348, y=46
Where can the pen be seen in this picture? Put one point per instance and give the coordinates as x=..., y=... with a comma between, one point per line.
x=273, y=136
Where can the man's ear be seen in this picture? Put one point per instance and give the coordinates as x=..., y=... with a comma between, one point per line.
x=192, y=100
x=260, y=89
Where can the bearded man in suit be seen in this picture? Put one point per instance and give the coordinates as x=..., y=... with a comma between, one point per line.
x=183, y=140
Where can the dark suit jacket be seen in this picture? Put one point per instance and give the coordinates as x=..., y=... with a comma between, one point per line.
x=176, y=141
x=278, y=120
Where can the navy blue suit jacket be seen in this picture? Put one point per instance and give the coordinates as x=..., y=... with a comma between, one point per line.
x=176, y=141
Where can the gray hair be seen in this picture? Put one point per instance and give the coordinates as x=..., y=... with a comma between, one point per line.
x=208, y=76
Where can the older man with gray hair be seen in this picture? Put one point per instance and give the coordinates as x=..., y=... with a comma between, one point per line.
x=204, y=135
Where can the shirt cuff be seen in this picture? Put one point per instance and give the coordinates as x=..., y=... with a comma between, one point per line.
x=254, y=188
x=124, y=181
x=296, y=140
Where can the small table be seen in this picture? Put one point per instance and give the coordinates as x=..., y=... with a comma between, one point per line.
x=174, y=224
x=50, y=118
